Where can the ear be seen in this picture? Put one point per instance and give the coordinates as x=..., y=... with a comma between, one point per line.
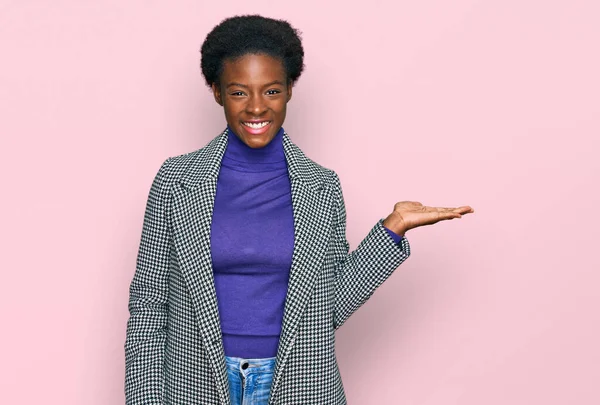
x=217, y=94
x=289, y=90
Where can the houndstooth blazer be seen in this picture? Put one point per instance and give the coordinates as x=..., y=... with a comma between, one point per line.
x=173, y=347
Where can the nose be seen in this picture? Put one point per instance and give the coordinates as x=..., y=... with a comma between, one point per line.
x=256, y=105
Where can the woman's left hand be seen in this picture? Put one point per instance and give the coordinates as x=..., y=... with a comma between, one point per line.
x=411, y=214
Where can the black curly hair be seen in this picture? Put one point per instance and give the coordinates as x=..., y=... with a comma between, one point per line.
x=251, y=34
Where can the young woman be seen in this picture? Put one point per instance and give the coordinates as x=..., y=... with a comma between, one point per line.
x=244, y=272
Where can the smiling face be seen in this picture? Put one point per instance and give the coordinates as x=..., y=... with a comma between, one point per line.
x=254, y=95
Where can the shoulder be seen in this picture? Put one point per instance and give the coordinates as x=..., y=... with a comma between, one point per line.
x=194, y=164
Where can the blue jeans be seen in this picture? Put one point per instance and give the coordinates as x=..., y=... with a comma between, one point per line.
x=250, y=380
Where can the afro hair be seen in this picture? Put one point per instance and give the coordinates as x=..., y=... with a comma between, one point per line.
x=251, y=34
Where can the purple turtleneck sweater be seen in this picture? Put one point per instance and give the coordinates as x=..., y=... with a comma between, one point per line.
x=252, y=241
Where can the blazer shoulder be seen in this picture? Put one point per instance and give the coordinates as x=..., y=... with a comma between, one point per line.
x=328, y=175
x=174, y=168
x=325, y=174
x=307, y=169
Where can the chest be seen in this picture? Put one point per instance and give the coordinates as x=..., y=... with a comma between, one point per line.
x=253, y=221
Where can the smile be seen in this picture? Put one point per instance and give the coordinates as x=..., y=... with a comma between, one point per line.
x=256, y=125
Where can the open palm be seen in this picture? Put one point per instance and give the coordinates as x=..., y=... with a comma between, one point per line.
x=411, y=214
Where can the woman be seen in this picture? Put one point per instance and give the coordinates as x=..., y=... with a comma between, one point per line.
x=243, y=271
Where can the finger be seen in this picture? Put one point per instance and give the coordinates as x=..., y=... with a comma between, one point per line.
x=443, y=214
x=433, y=209
x=465, y=209
x=451, y=215
x=435, y=214
x=440, y=209
x=432, y=217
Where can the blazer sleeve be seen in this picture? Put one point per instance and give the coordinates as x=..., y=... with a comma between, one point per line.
x=148, y=293
x=360, y=272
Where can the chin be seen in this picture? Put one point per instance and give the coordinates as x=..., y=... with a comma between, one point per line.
x=257, y=141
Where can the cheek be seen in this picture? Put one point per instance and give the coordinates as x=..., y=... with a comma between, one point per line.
x=280, y=108
x=232, y=109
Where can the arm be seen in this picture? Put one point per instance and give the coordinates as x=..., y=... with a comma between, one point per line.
x=360, y=272
x=148, y=292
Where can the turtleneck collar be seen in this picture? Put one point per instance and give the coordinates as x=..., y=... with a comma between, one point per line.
x=239, y=152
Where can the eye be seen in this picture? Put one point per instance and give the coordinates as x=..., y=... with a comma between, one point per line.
x=237, y=93
x=273, y=91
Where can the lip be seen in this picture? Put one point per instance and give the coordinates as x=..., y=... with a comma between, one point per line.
x=257, y=131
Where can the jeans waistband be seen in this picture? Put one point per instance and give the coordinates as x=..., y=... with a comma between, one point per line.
x=260, y=365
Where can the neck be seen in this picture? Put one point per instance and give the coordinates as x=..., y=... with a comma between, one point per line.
x=270, y=153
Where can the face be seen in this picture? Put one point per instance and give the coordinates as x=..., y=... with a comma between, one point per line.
x=254, y=95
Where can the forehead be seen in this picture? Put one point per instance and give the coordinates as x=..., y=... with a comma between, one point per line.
x=253, y=68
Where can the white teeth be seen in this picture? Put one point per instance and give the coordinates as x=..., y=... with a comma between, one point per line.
x=256, y=125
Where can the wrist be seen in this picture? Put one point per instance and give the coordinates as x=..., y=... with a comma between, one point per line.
x=395, y=224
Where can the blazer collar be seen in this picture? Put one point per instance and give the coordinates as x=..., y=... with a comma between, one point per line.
x=206, y=164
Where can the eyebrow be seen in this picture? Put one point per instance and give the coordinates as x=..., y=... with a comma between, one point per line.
x=266, y=85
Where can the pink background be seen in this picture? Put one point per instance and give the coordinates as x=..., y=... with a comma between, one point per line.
x=493, y=104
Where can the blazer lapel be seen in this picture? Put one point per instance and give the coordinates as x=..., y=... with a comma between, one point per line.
x=312, y=205
x=193, y=203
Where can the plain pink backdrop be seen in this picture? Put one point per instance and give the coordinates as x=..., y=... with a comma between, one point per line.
x=494, y=104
